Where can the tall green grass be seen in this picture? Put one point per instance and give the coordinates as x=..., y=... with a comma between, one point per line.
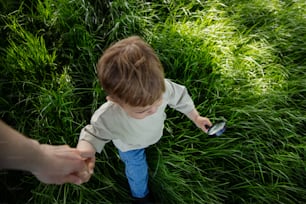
x=242, y=61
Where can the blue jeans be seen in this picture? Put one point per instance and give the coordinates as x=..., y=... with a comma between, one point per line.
x=136, y=171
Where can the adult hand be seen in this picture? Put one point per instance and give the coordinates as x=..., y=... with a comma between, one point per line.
x=59, y=164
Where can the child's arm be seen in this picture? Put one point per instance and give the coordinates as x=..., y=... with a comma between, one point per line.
x=179, y=99
x=201, y=122
x=90, y=142
x=87, y=151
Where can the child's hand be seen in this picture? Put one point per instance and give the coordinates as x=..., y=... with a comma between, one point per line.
x=87, y=151
x=203, y=123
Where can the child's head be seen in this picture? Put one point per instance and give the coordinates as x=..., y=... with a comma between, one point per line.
x=131, y=73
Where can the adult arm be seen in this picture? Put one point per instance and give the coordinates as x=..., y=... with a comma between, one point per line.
x=50, y=164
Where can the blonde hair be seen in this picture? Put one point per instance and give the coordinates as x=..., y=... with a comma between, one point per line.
x=130, y=72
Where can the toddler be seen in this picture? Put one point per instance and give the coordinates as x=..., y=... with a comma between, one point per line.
x=133, y=117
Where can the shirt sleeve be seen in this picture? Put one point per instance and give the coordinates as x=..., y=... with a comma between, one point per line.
x=95, y=133
x=178, y=97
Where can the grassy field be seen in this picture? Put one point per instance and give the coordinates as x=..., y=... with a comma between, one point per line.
x=242, y=61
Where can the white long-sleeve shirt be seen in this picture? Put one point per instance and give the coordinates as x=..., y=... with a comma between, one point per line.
x=111, y=123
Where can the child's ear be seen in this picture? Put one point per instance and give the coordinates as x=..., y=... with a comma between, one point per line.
x=114, y=100
x=108, y=98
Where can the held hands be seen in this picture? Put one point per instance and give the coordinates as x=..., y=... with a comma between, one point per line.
x=87, y=152
x=59, y=165
x=63, y=164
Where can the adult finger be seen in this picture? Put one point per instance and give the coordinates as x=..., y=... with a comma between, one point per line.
x=91, y=164
x=87, y=153
x=62, y=151
x=71, y=178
